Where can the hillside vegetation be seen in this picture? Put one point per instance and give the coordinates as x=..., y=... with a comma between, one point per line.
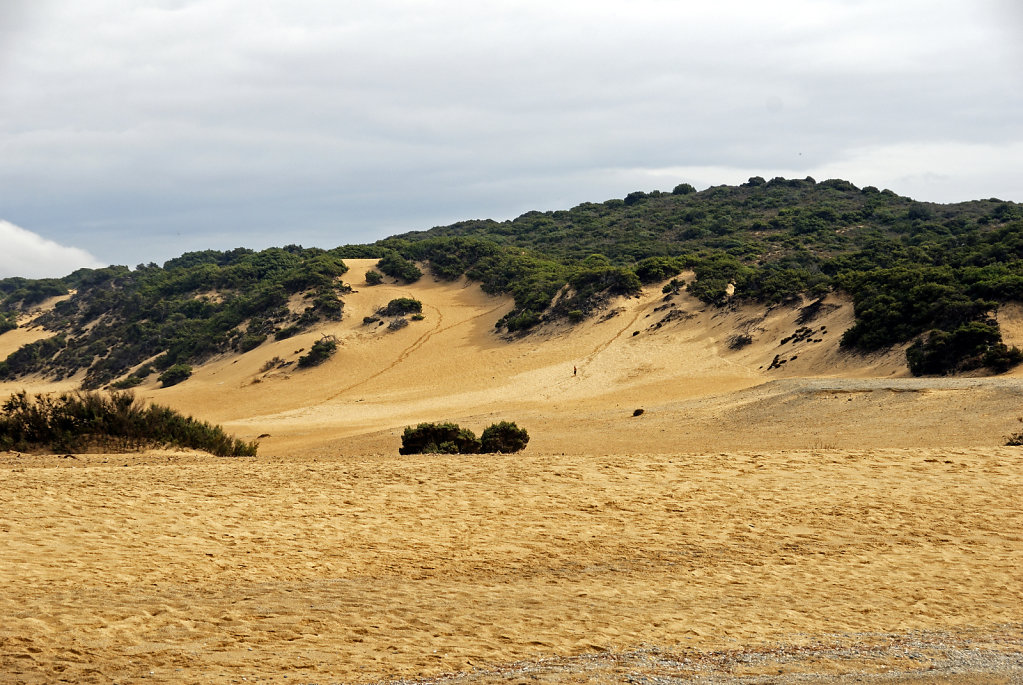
x=73, y=422
x=921, y=272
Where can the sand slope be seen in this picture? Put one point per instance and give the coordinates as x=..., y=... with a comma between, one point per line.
x=673, y=358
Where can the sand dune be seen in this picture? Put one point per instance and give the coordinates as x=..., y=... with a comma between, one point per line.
x=755, y=507
x=673, y=358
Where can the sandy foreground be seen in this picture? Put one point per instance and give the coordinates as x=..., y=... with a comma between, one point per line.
x=829, y=519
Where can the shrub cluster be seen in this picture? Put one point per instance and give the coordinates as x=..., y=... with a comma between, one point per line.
x=396, y=266
x=175, y=374
x=322, y=350
x=195, y=306
x=449, y=438
x=75, y=422
x=402, y=306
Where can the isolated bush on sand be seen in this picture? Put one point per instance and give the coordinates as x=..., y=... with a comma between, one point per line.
x=438, y=438
x=175, y=374
x=449, y=438
x=75, y=422
x=322, y=350
x=504, y=437
x=401, y=306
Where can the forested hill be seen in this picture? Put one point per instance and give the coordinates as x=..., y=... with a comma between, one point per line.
x=934, y=274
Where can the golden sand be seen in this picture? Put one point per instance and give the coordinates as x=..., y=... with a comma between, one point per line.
x=832, y=500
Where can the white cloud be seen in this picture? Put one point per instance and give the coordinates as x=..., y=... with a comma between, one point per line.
x=30, y=255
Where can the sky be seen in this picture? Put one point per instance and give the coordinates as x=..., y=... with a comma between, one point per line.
x=132, y=131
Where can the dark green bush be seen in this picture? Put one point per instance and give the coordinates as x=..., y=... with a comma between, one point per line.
x=250, y=341
x=8, y=322
x=322, y=350
x=74, y=422
x=970, y=346
x=655, y=269
x=449, y=438
x=402, y=306
x=396, y=266
x=438, y=438
x=175, y=374
x=127, y=382
x=374, y=278
x=504, y=437
x=287, y=332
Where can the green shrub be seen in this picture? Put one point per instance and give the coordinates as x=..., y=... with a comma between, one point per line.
x=504, y=437
x=322, y=350
x=374, y=278
x=402, y=306
x=656, y=269
x=396, y=266
x=175, y=374
x=287, y=332
x=970, y=346
x=74, y=422
x=438, y=438
x=127, y=382
x=8, y=322
x=250, y=341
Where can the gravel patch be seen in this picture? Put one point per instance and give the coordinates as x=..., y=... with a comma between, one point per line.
x=905, y=658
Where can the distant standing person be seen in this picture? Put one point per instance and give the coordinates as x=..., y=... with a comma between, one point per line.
x=575, y=370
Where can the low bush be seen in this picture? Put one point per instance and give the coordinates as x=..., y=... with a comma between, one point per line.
x=396, y=266
x=127, y=382
x=287, y=332
x=250, y=341
x=322, y=350
x=75, y=422
x=504, y=437
x=175, y=374
x=450, y=438
x=438, y=438
x=402, y=306
x=374, y=277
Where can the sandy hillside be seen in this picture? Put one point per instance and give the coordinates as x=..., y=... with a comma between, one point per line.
x=674, y=359
x=778, y=509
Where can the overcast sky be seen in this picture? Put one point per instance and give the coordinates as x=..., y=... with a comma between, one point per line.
x=135, y=130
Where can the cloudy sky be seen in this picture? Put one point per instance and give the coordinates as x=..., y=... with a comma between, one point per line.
x=134, y=130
